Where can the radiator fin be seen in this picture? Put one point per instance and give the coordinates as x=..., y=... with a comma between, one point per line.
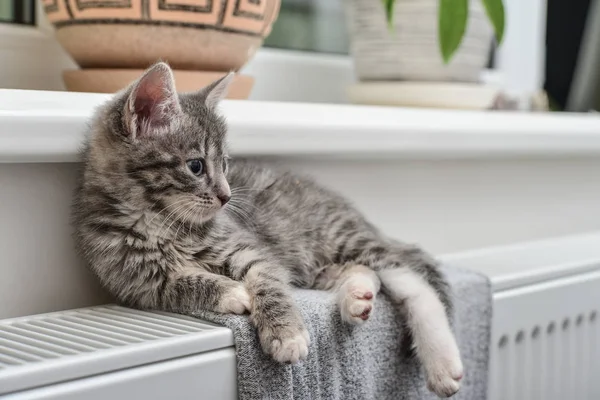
x=69, y=333
x=68, y=345
x=549, y=362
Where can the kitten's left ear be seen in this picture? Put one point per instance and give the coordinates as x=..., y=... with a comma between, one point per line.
x=152, y=102
x=217, y=91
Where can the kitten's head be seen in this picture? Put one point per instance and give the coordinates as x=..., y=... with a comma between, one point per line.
x=154, y=149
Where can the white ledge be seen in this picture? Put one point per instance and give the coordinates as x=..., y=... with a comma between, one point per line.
x=521, y=264
x=37, y=126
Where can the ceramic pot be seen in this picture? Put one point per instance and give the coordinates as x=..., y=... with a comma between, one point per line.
x=201, y=35
x=410, y=51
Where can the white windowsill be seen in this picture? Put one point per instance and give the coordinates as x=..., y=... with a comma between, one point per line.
x=48, y=127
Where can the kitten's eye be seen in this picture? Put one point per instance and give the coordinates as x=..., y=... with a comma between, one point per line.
x=224, y=164
x=196, y=166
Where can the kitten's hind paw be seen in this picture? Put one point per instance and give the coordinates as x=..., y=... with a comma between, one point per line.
x=235, y=301
x=444, y=385
x=356, y=308
x=356, y=297
x=444, y=376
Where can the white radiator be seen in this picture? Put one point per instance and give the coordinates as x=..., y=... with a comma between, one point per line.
x=545, y=338
x=545, y=330
x=546, y=341
x=111, y=352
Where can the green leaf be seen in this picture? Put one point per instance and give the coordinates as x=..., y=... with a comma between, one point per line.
x=495, y=12
x=453, y=16
x=389, y=12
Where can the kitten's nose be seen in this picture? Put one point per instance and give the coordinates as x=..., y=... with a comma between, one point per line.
x=224, y=198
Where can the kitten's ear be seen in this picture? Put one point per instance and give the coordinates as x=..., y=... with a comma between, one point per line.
x=216, y=91
x=152, y=102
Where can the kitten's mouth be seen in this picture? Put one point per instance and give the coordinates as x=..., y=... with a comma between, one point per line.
x=205, y=212
x=189, y=210
x=201, y=216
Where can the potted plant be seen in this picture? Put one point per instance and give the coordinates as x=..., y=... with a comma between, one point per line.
x=113, y=41
x=422, y=40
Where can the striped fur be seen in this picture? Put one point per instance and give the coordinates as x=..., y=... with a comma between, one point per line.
x=158, y=237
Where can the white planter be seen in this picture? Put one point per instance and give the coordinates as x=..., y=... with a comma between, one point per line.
x=410, y=51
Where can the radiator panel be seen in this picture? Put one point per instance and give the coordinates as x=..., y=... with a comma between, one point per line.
x=75, y=344
x=546, y=341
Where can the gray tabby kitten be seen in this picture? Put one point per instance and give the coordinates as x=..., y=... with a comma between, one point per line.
x=167, y=222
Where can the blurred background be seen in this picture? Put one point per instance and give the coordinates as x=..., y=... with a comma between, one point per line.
x=553, y=44
x=548, y=59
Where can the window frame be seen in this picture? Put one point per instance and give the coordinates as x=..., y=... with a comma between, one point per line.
x=19, y=12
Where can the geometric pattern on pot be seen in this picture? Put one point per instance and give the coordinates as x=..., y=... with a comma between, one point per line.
x=252, y=17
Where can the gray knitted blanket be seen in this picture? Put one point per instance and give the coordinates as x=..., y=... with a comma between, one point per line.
x=365, y=362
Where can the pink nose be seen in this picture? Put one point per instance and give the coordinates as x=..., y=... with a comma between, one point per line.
x=223, y=198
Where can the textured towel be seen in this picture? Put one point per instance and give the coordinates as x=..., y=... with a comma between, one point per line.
x=364, y=362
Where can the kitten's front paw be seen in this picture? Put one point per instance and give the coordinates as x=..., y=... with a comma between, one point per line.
x=285, y=345
x=235, y=301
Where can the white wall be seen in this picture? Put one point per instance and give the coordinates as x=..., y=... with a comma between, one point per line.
x=450, y=206
x=39, y=271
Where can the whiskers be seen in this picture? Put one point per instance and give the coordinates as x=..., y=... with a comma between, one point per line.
x=196, y=217
x=172, y=217
x=165, y=209
x=188, y=211
x=184, y=209
x=241, y=209
x=245, y=190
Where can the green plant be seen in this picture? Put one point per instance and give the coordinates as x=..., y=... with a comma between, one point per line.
x=452, y=22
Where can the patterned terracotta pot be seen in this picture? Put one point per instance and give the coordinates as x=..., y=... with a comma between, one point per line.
x=202, y=35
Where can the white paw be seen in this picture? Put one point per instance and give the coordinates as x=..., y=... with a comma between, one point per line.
x=444, y=375
x=356, y=301
x=285, y=346
x=291, y=349
x=236, y=301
